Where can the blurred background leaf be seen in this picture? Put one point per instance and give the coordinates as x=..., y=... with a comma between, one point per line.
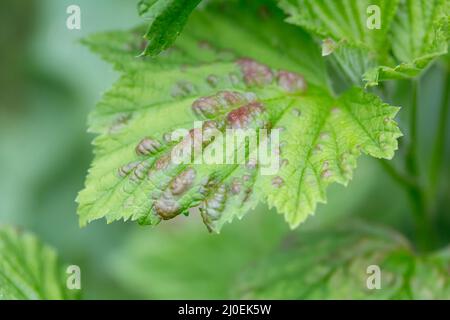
x=335, y=263
x=44, y=147
x=30, y=269
x=183, y=261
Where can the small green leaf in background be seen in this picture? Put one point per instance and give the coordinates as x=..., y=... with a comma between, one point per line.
x=260, y=63
x=333, y=264
x=419, y=35
x=167, y=19
x=413, y=33
x=30, y=270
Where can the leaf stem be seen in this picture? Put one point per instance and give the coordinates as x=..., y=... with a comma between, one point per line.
x=424, y=227
x=396, y=175
x=410, y=182
x=417, y=196
x=439, y=145
x=411, y=155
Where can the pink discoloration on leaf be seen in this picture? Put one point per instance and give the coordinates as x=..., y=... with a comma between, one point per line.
x=147, y=146
x=183, y=181
x=234, y=78
x=119, y=123
x=211, y=106
x=277, y=182
x=182, y=89
x=291, y=82
x=203, y=44
x=166, y=206
x=140, y=171
x=242, y=116
x=212, y=208
x=235, y=186
x=126, y=169
x=255, y=73
x=326, y=174
x=210, y=128
x=212, y=80
x=162, y=163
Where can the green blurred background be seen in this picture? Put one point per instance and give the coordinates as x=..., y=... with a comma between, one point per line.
x=48, y=85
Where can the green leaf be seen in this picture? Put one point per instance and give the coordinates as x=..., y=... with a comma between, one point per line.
x=29, y=270
x=418, y=36
x=411, y=35
x=323, y=138
x=167, y=19
x=256, y=74
x=342, y=20
x=333, y=264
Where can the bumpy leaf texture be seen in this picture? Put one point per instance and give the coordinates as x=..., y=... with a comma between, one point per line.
x=167, y=19
x=30, y=270
x=337, y=263
x=411, y=34
x=234, y=67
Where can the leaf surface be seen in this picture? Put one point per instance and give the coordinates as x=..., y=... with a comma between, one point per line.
x=419, y=35
x=167, y=19
x=258, y=74
x=29, y=270
x=337, y=263
x=411, y=34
